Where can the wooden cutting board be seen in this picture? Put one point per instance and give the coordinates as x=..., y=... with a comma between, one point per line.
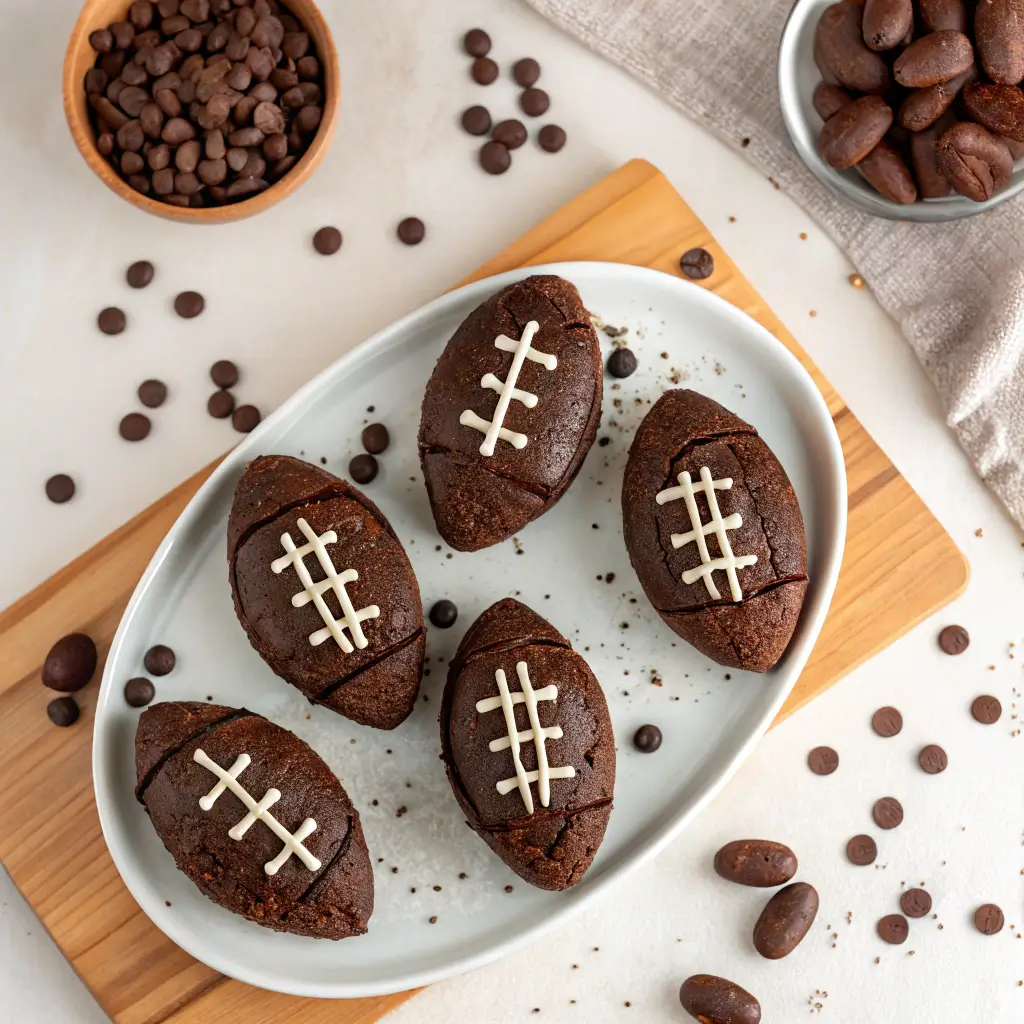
x=900, y=566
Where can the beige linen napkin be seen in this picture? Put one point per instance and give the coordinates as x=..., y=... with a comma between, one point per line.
x=956, y=290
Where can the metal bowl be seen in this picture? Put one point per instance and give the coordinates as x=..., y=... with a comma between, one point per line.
x=798, y=78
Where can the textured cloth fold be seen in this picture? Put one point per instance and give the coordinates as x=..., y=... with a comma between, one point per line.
x=956, y=290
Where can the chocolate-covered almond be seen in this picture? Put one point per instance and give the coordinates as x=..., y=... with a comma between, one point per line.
x=999, y=33
x=849, y=135
x=937, y=15
x=887, y=172
x=713, y=1000
x=934, y=58
x=887, y=22
x=923, y=107
x=839, y=45
x=829, y=99
x=1000, y=108
x=757, y=862
x=931, y=182
x=974, y=161
x=785, y=920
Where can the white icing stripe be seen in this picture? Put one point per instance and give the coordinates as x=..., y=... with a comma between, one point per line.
x=507, y=785
x=553, y=732
x=488, y=380
x=549, y=362
x=470, y=419
x=350, y=618
x=493, y=703
x=727, y=562
x=257, y=812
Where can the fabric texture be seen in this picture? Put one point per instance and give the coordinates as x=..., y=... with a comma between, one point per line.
x=956, y=289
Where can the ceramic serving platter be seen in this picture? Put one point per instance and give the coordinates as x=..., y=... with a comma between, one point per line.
x=441, y=900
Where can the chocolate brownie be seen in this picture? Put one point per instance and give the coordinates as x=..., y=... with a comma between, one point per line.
x=741, y=617
x=301, y=865
x=549, y=834
x=485, y=485
x=367, y=670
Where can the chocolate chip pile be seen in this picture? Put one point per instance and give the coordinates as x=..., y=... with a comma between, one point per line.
x=363, y=468
x=204, y=102
x=922, y=96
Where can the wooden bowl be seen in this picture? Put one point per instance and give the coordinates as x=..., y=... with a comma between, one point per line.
x=80, y=56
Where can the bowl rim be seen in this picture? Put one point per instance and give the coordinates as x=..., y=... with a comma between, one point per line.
x=76, y=114
x=803, y=137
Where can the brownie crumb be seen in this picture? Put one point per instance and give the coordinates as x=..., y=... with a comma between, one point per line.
x=433, y=920
x=508, y=888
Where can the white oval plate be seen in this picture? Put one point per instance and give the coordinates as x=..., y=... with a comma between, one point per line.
x=684, y=336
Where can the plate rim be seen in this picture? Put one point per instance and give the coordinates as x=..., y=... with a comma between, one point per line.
x=835, y=487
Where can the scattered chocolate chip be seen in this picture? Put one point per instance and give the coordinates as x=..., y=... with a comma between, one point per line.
x=135, y=426
x=245, y=418
x=622, y=363
x=444, y=613
x=476, y=120
x=894, y=929
x=376, y=438
x=495, y=158
x=526, y=72
x=954, y=639
x=932, y=759
x=647, y=739
x=60, y=488
x=534, y=102
x=189, y=304
x=484, y=71
x=220, y=404
x=159, y=660
x=861, y=850
x=70, y=663
x=511, y=133
x=411, y=231
x=224, y=373
x=697, y=264
x=988, y=919
x=139, y=274
x=111, y=320
x=887, y=812
x=138, y=692
x=362, y=468
x=62, y=711
x=477, y=42
x=887, y=722
x=915, y=903
x=327, y=241
x=551, y=138
x=152, y=393
x=986, y=709
x=823, y=760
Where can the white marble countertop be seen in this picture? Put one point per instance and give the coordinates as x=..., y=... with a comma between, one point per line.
x=64, y=243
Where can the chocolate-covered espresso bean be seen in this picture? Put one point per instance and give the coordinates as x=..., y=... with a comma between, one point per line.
x=851, y=133
x=887, y=172
x=974, y=161
x=839, y=45
x=887, y=22
x=1000, y=108
x=756, y=862
x=931, y=182
x=785, y=920
x=937, y=15
x=713, y=1000
x=999, y=33
x=829, y=100
x=923, y=107
x=934, y=58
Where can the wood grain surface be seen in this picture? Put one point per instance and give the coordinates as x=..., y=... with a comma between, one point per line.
x=899, y=567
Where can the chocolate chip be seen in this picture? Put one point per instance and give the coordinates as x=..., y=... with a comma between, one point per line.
x=476, y=120
x=152, y=393
x=224, y=373
x=477, y=43
x=159, y=660
x=101, y=40
x=362, y=468
x=135, y=426
x=915, y=902
x=376, y=438
x=245, y=418
x=823, y=760
x=622, y=363
x=887, y=812
x=61, y=488
x=484, y=71
x=139, y=274
x=526, y=72
x=861, y=850
x=932, y=759
x=111, y=320
x=954, y=639
x=988, y=919
x=411, y=231
x=220, y=404
x=534, y=102
x=327, y=241
x=887, y=722
x=986, y=709
x=647, y=739
x=894, y=929
x=70, y=663
x=188, y=304
x=62, y=711
x=697, y=264
x=551, y=138
x=138, y=692
x=495, y=158
x=443, y=614
x=511, y=133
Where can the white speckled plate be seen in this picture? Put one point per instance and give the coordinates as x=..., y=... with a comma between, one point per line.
x=571, y=566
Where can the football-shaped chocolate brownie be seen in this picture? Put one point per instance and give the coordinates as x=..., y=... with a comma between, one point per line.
x=528, y=745
x=255, y=818
x=714, y=531
x=325, y=591
x=510, y=411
